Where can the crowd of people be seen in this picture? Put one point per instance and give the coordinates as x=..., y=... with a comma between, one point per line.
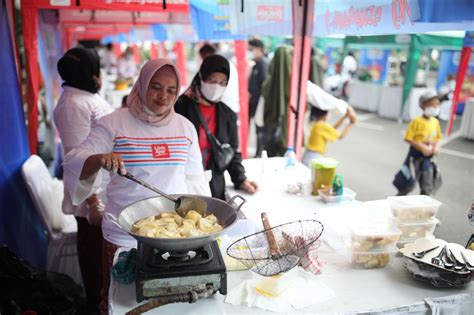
x=170, y=139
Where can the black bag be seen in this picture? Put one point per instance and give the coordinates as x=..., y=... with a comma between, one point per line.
x=222, y=153
x=405, y=180
x=24, y=287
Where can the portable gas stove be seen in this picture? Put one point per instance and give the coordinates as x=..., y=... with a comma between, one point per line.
x=195, y=274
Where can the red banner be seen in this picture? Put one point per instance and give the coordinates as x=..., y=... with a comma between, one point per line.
x=120, y=5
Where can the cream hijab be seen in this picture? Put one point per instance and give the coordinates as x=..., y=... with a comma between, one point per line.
x=136, y=100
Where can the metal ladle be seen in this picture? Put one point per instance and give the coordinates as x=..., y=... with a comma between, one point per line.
x=447, y=262
x=458, y=266
x=182, y=204
x=468, y=265
x=439, y=261
x=422, y=253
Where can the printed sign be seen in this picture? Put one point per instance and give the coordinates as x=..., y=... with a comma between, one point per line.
x=63, y=3
x=160, y=151
x=273, y=13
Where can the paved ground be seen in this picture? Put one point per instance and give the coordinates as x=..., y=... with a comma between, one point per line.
x=374, y=151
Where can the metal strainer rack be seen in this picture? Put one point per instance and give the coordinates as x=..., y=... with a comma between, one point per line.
x=292, y=240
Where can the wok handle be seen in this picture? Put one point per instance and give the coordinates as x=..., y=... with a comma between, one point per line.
x=231, y=201
x=275, y=252
x=109, y=217
x=145, y=184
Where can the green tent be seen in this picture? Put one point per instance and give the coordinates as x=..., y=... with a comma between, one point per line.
x=414, y=43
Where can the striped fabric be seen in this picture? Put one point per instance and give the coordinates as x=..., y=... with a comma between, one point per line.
x=164, y=151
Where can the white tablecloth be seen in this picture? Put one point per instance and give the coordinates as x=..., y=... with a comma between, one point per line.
x=390, y=102
x=388, y=289
x=364, y=95
x=467, y=123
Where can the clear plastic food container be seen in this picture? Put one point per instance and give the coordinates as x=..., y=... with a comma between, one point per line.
x=374, y=235
x=413, y=208
x=347, y=195
x=373, y=259
x=412, y=231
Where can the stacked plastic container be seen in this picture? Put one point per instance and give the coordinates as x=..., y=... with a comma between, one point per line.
x=415, y=216
x=374, y=244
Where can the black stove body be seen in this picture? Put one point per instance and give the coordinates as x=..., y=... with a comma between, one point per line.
x=199, y=273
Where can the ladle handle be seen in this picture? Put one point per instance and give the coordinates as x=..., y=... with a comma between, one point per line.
x=270, y=236
x=145, y=184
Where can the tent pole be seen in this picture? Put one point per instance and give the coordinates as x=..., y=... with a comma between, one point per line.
x=465, y=55
x=303, y=16
x=414, y=55
x=240, y=53
x=180, y=51
x=30, y=28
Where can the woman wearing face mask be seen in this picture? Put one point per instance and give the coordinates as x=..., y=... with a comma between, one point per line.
x=79, y=109
x=424, y=136
x=204, y=97
x=148, y=139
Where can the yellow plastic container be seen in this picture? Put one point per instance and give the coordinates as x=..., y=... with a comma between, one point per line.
x=324, y=173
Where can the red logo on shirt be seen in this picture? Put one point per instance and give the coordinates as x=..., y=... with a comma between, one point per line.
x=160, y=151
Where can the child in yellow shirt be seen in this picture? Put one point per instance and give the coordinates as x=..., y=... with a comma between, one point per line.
x=322, y=132
x=424, y=136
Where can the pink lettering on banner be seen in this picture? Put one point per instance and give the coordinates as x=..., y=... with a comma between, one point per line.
x=368, y=16
x=160, y=151
x=272, y=13
x=399, y=9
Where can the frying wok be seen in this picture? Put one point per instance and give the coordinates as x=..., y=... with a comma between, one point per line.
x=225, y=212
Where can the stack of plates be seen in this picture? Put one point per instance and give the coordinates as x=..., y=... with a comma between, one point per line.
x=424, y=270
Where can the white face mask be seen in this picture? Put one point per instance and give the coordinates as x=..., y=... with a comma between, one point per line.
x=251, y=55
x=212, y=92
x=431, y=111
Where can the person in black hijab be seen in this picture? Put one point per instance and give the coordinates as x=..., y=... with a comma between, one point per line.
x=80, y=68
x=77, y=110
x=204, y=97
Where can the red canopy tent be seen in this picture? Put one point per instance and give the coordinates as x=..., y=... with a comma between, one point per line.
x=30, y=28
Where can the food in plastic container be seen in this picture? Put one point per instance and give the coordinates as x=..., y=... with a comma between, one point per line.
x=373, y=259
x=328, y=197
x=413, y=208
x=415, y=230
x=376, y=235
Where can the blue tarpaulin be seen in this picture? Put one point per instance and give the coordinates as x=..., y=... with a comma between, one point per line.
x=20, y=226
x=212, y=21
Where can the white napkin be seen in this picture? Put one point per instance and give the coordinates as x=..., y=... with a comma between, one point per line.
x=295, y=289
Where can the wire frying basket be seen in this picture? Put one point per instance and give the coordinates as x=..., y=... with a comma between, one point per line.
x=278, y=249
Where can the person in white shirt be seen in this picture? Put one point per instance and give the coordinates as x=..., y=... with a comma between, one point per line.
x=79, y=108
x=147, y=139
x=110, y=60
x=126, y=66
x=349, y=65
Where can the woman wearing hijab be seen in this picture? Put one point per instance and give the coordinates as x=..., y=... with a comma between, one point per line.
x=79, y=108
x=204, y=97
x=148, y=139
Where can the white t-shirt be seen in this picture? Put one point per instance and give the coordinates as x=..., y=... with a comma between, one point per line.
x=110, y=62
x=164, y=156
x=349, y=65
x=75, y=114
x=231, y=94
x=126, y=68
